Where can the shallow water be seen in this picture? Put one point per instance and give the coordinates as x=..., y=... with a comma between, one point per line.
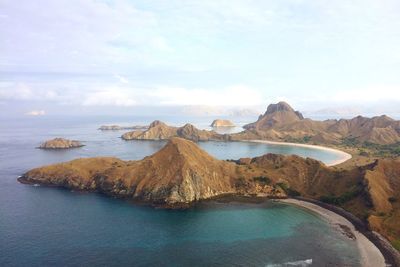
x=42, y=226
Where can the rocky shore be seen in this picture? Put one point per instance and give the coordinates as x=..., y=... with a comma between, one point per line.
x=375, y=249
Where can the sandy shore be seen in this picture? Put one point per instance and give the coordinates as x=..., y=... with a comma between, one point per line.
x=343, y=156
x=370, y=254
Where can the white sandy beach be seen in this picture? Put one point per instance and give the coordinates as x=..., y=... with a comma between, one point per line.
x=370, y=254
x=343, y=155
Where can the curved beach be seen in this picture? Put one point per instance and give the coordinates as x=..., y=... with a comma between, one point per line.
x=370, y=254
x=343, y=156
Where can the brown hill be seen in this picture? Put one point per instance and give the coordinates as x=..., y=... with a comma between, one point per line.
x=280, y=122
x=60, y=143
x=179, y=173
x=160, y=131
x=275, y=116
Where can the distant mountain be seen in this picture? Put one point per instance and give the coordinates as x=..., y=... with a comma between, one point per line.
x=282, y=122
x=276, y=115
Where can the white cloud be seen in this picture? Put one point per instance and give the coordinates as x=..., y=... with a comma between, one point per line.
x=109, y=97
x=121, y=78
x=35, y=113
x=24, y=91
x=370, y=94
x=238, y=95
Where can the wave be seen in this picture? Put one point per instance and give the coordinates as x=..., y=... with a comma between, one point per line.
x=301, y=263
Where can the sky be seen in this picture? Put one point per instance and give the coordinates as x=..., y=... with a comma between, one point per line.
x=102, y=57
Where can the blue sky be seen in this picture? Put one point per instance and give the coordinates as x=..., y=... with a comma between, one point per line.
x=315, y=54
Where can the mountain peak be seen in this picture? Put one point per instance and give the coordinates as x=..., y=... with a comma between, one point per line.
x=279, y=113
x=183, y=148
x=156, y=123
x=280, y=106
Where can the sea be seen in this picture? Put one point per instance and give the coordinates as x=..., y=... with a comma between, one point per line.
x=43, y=226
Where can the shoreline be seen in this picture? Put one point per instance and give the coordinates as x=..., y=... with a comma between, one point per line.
x=344, y=156
x=374, y=249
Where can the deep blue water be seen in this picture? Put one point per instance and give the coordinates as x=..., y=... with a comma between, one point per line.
x=42, y=226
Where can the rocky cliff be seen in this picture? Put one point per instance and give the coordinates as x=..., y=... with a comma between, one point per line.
x=60, y=143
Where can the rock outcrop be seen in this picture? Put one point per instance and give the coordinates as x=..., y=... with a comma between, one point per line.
x=60, y=143
x=161, y=131
x=222, y=123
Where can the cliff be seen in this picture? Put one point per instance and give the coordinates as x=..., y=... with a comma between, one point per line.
x=160, y=131
x=60, y=143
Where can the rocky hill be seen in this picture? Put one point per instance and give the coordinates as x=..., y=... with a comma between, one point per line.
x=282, y=123
x=222, y=123
x=160, y=131
x=178, y=174
x=60, y=143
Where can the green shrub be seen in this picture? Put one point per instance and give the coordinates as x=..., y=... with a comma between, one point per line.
x=289, y=191
x=396, y=244
x=343, y=198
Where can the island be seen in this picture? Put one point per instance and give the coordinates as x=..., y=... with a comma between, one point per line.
x=222, y=123
x=60, y=143
x=119, y=128
x=160, y=131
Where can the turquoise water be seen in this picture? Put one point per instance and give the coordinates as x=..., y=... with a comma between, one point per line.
x=42, y=226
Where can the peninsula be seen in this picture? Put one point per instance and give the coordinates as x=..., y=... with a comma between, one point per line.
x=181, y=174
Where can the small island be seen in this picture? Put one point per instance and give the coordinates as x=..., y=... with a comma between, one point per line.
x=119, y=128
x=60, y=143
x=222, y=123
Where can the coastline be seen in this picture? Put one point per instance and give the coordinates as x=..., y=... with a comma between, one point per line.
x=374, y=249
x=344, y=156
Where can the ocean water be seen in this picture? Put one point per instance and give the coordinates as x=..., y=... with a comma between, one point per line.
x=42, y=226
